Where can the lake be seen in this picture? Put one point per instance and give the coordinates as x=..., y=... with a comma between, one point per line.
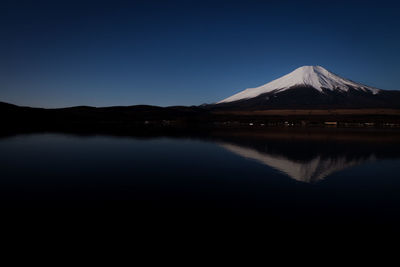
x=295, y=177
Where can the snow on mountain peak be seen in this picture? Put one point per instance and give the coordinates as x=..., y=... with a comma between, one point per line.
x=309, y=76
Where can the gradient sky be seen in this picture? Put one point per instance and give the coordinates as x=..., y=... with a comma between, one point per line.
x=103, y=53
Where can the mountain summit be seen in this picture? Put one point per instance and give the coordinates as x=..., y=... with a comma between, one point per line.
x=312, y=86
x=313, y=76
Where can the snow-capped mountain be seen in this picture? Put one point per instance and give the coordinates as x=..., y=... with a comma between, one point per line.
x=312, y=86
x=311, y=76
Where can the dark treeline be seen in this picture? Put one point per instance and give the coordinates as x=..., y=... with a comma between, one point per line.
x=153, y=119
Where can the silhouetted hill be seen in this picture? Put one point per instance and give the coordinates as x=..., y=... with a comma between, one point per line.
x=84, y=116
x=153, y=118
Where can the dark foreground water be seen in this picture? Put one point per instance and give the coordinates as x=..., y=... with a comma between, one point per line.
x=295, y=179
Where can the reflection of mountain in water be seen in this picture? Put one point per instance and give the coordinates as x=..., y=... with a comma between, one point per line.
x=311, y=155
x=308, y=171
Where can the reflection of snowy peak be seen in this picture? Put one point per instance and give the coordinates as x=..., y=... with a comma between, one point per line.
x=310, y=171
x=309, y=76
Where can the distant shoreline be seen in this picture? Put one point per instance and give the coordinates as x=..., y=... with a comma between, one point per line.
x=290, y=112
x=180, y=118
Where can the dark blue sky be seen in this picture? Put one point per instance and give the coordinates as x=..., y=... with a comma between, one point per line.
x=102, y=53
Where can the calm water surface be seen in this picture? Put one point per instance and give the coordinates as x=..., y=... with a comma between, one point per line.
x=295, y=178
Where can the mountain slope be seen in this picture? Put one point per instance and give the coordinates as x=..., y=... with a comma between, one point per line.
x=312, y=87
